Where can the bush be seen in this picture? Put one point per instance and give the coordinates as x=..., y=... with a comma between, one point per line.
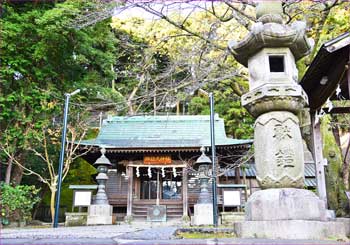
x=16, y=203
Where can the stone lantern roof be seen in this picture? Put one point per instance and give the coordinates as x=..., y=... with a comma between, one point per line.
x=270, y=32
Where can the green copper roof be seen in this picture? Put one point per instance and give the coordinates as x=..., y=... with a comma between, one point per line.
x=161, y=132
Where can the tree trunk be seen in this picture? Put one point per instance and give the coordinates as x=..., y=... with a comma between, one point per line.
x=52, y=203
x=345, y=171
x=17, y=175
x=336, y=134
x=346, y=166
x=8, y=171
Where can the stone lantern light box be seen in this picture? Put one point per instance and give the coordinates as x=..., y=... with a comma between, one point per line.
x=272, y=66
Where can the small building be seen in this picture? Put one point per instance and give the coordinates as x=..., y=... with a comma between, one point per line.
x=152, y=159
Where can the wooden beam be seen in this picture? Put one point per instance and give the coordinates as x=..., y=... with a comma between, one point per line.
x=130, y=189
x=319, y=160
x=184, y=192
x=338, y=110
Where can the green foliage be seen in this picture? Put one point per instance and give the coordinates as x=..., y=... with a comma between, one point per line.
x=238, y=122
x=42, y=57
x=204, y=235
x=17, y=202
x=199, y=106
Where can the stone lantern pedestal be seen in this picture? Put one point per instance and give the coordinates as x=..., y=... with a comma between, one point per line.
x=282, y=209
x=100, y=212
x=203, y=210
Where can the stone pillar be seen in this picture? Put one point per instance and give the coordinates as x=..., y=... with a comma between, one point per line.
x=130, y=190
x=275, y=98
x=319, y=160
x=185, y=192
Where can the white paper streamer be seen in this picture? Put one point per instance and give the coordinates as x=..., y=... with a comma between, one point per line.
x=163, y=172
x=338, y=91
x=329, y=104
x=149, y=172
x=138, y=172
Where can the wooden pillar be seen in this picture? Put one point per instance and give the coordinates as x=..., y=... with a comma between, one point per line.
x=319, y=160
x=349, y=74
x=237, y=176
x=130, y=189
x=184, y=192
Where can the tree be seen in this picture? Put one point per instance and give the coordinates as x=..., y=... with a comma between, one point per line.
x=45, y=148
x=41, y=58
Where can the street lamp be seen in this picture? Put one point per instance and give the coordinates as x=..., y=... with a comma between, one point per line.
x=213, y=158
x=60, y=166
x=202, y=165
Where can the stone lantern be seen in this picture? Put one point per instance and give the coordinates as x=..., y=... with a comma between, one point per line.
x=202, y=165
x=102, y=164
x=100, y=212
x=283, y=209
x=203, y=210
x=270, y=51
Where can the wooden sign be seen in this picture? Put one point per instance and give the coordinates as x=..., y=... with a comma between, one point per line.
x=157, y=160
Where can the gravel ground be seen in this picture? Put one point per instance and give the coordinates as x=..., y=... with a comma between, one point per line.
x=160, y=233
x=106, y=231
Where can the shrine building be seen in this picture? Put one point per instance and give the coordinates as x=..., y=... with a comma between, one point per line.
x=152, y=159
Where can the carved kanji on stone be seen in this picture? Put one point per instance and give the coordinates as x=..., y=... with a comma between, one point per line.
x=285, y=158
x=282, y=132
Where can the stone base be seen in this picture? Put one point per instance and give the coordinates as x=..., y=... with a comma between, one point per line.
x=346, y=224
x=228, y=218
x=203, y=214
x=100, y=214
x=75, y=219
x=291, y=229
x=285, y=204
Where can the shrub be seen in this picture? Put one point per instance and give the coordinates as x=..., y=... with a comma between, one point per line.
x=16, y=203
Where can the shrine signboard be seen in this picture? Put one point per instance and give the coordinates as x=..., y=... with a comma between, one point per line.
x=159, y=160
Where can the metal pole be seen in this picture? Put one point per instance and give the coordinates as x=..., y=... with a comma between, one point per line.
x=212, y=137
x=60, y=164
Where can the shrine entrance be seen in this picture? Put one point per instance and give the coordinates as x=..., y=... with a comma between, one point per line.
x=163, y=185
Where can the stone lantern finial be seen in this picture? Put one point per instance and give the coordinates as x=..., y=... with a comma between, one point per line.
x=269, y=11
x=103, y=150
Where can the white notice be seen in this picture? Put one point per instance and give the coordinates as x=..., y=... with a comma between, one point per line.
x=232, y=198
x=82, y=198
